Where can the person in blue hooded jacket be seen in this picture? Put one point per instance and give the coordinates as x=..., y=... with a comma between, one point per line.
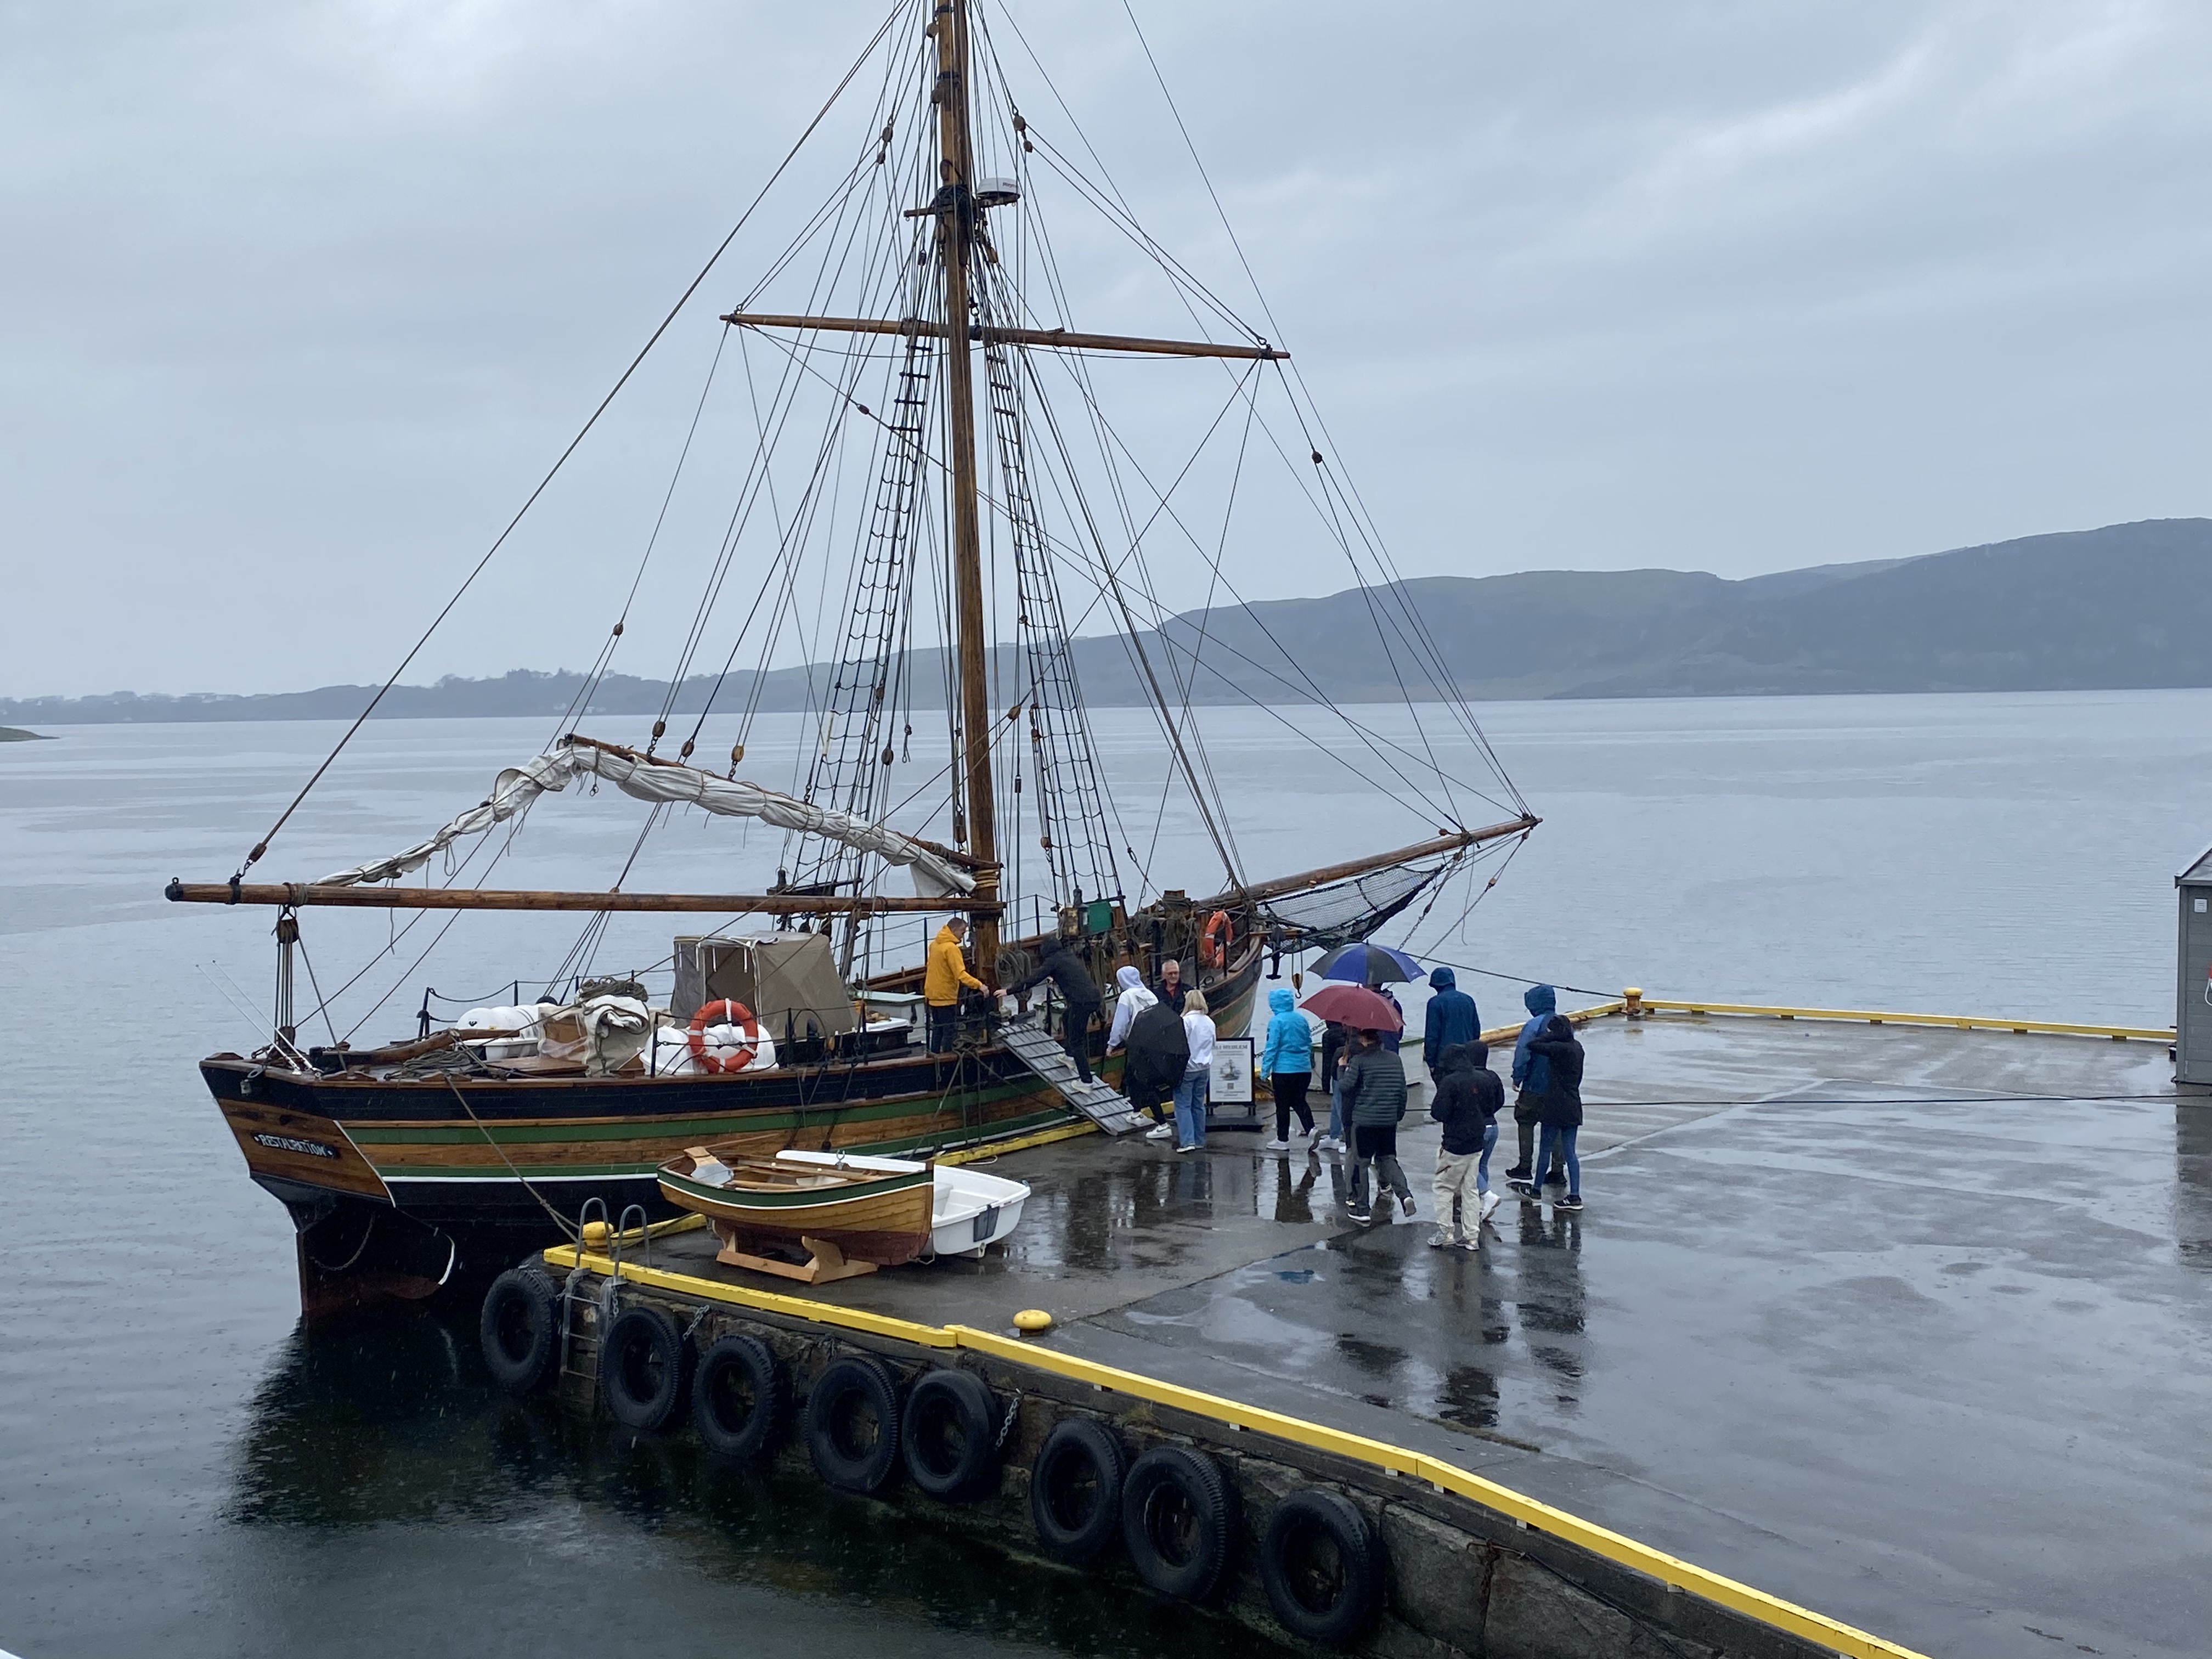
x=1452, y=1019
x=1532, y=1076
x=1286, y=1065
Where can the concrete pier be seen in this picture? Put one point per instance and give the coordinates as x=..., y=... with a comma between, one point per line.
x=1905, y=1326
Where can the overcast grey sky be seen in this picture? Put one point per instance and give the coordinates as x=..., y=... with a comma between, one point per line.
x=300, y=299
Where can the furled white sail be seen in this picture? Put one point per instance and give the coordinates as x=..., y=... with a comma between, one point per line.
x=513, y=791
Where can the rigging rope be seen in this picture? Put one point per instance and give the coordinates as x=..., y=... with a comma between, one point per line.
x=262, y=846
x=1107, y=584
x=581, y=702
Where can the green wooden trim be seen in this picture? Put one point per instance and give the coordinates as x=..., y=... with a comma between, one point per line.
x=737, y=1120
x=1003, y=1129
x=729, y=1199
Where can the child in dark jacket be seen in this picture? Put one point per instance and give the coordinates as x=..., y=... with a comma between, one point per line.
x=1559, y=1112
x=1468, y=1099
x=1333, y=1039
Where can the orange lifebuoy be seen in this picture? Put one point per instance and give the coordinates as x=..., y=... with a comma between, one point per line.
x=732, y=1013
x=1214, y=950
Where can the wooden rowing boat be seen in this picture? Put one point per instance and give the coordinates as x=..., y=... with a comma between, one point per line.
x=850, y=1214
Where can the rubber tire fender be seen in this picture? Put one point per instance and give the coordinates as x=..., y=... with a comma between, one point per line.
x=644, y=1364
x=1184, y=1555
x=748, y=1361
x=524, y=1303
x=1329, y=1615
x=854, y=1380
x=948, y=1436
x=1077, y=1449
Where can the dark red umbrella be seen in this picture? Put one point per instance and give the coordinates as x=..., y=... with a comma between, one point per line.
x=1356, y=1006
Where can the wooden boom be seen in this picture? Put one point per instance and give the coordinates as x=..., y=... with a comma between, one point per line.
x=297, y=893
x=1261, y=891
x=1043, y=336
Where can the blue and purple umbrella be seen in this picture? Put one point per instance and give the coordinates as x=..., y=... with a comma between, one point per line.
x=1367, y=963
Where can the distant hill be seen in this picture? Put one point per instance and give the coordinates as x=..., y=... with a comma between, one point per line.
x=2126, y=606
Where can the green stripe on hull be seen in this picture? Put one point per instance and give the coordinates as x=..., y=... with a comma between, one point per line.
x=737, y=1120
x=812, y=1199
x=952, y=1135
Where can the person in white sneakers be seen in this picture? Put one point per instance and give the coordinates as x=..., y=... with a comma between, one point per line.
x=1335, y=1039
x=1468, y=1095
x=1191, y=1094
x=1130, y=1000
x=1287, y=1065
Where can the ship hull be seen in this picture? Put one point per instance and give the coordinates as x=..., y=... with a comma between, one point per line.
x=400, y=1188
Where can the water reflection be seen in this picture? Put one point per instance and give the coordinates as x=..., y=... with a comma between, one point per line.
x=1100, y=1218
x=2192, y=1168
x=1469, y=1397
x=1294, y=1185
x=365, y=1425
x=1471, y=1290
x=1553, y=1298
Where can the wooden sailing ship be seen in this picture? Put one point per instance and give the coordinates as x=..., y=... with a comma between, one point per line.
x=406, y=1163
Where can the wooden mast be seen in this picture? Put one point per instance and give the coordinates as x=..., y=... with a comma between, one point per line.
x=956, y=211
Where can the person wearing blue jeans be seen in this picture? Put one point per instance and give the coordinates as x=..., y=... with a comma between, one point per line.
x=1549, y=1135
x=1560, y=1113
x=1191, y=1094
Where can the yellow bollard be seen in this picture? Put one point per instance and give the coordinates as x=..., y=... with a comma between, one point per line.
x=1030, y=1321
x=1631, y=1000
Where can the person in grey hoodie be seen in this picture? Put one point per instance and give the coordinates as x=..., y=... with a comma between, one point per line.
x=1374, y=1092
x=1531, y=1076
x=1130, y=1000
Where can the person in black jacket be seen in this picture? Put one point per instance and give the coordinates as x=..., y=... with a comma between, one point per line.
x=1171, y=989
x=1157, y=1053
x=1559, y=1112
x=1467, y=1098
x=1060, y=963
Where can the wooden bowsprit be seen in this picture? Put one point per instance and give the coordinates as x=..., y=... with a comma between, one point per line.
x=1041, y=1052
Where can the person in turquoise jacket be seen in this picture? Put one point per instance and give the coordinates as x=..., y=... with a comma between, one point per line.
x=1286, y=1065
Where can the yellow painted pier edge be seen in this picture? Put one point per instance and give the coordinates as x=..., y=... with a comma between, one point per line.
x=1537, y=1516
x=1646, y=1005
x=1529, y=1512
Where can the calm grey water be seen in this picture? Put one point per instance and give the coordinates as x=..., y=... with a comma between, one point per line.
x=183, y=1471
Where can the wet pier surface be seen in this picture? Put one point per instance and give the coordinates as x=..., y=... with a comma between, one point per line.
x=1845, y=1318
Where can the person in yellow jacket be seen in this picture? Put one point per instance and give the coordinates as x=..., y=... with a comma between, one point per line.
x=942, y=980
